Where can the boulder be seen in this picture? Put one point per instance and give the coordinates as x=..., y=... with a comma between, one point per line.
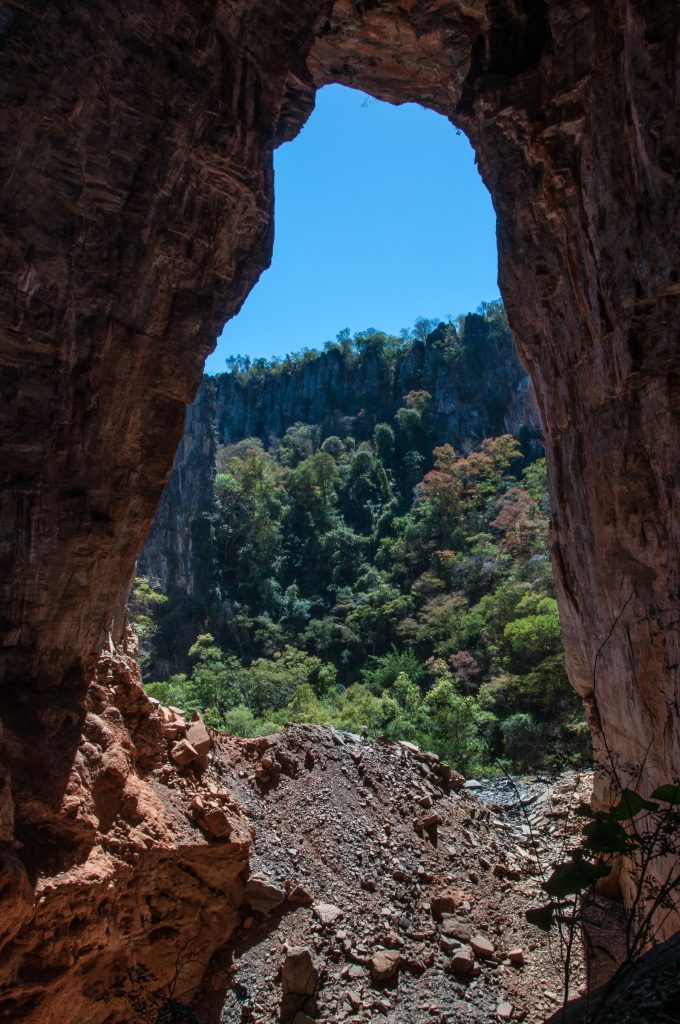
x=298, y=894
x=443, y=903
x=217, y=822
x=183, y=753
x=456, y=928
x=262, y=894
x=327, y=913
x=463, y=962
x=482, y=947
x=198, y=736
x=299, y=975
x=384, y=965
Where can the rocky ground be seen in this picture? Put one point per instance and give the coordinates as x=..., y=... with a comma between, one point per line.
x=187, y=876
x=382, y=889
x=307, y=876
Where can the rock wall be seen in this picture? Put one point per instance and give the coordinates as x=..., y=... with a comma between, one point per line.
x=168, y=553
x=105, y=916
x=136, y=214
x=481, y=393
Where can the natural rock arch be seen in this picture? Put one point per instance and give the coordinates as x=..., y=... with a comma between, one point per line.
x=137, y=213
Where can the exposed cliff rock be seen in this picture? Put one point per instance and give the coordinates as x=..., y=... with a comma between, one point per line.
x=173, y=549
x=107, y=873
x=482, y=393
x=168, y=552
x=137, y=214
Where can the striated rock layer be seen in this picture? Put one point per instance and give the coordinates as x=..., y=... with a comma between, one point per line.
x=136, y=213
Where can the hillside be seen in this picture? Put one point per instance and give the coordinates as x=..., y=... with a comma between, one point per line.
x=471, y=371
x=353, y=569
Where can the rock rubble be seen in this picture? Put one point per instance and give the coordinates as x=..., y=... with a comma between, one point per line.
x=407, y=925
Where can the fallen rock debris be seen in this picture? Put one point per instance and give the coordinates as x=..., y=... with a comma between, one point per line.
x=383, y=888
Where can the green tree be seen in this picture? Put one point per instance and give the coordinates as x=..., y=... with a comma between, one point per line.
x=520, y=739
x=214, y=685
x=455, y=724
x=146, y=601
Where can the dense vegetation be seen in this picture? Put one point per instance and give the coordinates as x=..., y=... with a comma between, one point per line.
x=380, y=583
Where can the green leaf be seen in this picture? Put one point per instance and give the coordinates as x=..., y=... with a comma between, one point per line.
x=669, y=793
x=542, y=917
x=572, y=877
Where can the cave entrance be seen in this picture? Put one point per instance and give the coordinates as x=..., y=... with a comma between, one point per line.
x=370, y=529
x=138, y=192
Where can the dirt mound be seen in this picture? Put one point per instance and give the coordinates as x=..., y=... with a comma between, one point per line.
x=406, y=890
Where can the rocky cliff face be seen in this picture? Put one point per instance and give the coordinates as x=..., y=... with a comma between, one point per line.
x=136, y=209
x=169, y=550
x=483, y=393
x=172, y=551
x=97, y=913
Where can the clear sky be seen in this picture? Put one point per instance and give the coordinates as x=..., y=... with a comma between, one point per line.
x=381, y=217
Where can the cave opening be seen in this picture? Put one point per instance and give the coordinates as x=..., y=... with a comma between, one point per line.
x=380, y=218
x=137, y=188
x=276, y=559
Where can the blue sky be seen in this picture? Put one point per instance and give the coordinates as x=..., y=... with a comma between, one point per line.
x=380, y=217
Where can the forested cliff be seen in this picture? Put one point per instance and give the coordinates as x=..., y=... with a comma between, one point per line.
x=359, y=537
x=478, y=389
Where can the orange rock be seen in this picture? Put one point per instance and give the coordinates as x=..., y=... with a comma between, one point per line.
x=183, y=753
x=217, y=822
x=198, y=737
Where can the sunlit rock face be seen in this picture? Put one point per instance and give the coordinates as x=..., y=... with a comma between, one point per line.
x=137, y=213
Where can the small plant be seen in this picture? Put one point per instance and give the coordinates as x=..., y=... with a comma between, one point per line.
x=643, y=835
